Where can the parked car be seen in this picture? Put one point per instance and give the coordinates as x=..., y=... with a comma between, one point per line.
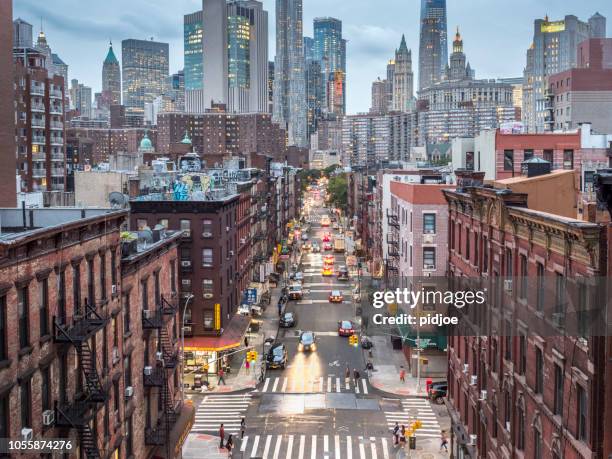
x=277, y=356
x=307, y=342
x=343, y=273
x=437, y=391
x=288, y=320
x=336, y=296
x=295, y=291
x=246, y=309
x=345, y=328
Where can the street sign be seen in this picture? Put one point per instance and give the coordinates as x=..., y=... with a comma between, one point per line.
x=251, y=295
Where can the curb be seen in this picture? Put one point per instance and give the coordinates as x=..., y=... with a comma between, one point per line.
x=230, y=390
x=381, y=388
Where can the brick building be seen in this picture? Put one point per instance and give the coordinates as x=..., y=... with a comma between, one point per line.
x=73, y=354
x=529, y=384
x=41, y=155
x=7, y=119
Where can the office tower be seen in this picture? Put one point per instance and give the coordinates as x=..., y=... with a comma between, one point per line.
x=7, y=111
x=553, y=51
x=389, y=87
x=192, y=53
x=111, y=79
x=597, y=26
x=330, y=51
x=81, y=97
x=22, y=34
x=144, y=71
x=308, y=49
x=247, y=25
x=289, y=84
x=433, y=49
x=379, y=97
x=215, y=52
x=403, y=79
x=314, y=94
x=270, y=86
x=59, y=66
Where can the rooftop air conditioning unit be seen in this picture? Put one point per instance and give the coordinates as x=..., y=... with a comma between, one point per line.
x=473, y=380
x=48, y=417
x=473, y=438
x=129, y=391
x=148, y=370
x=26, y=434
x=483, y=395
x=429, y=267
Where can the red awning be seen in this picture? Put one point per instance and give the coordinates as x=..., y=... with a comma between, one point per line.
x=232, y=337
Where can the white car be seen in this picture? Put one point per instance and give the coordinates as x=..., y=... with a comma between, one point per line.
x=246, y=309
x=299, y=276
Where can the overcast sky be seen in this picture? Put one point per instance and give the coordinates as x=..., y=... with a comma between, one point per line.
x=496, y=33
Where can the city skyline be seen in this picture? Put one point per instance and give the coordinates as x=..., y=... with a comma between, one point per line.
x=372, y=33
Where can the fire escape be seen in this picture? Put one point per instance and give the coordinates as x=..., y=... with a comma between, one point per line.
x=393, y=252
x=79, y=412
x=160, y=320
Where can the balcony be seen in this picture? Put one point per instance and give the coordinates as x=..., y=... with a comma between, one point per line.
x=37, y=108
x=391, y=240
x=169, y=305
x=38, y=90
x=153, y=376
x=56, y=94
x=57, y=187
x=38, y=123
x=56, y=125
x=57, y=157
x=57, y=172
x=39, y=173
x=55, y=110
x=152, y=319
x=38, y=139
x=81, y=327
x=56, y=140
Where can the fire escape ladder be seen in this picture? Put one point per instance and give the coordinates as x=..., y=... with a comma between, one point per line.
x=167, y=348
x=92, y=379
x=88, y=442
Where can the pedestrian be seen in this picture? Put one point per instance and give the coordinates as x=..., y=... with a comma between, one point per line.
x=246, y=341
x=402, y=374
x=403, y=435
x=280, y=307
x=396, y=430
x=221, y=376
x=356, y=376
x=229, y=445
x=347, y=373
x=444, y=441
x=247, y=365
x=221, y=435
x=242, y=428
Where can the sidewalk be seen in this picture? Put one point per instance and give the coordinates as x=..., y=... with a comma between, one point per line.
x=198, y=446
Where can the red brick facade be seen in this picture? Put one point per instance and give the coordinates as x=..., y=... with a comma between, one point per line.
x=8, y=197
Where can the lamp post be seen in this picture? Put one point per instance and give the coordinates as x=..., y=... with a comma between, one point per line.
x=187, y=301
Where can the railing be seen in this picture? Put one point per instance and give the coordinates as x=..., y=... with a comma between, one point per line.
x=57, y=172
x=38, y=90
x=38, y=139
x=55, y=110
x=55, y=93
x=37, y=107
x=153, y=378
x=56, y=125
x=39, y=173
x=38, y=123
x=57, y=140
x=152, y=319
x=81, y=327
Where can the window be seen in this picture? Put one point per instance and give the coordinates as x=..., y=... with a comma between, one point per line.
x=116, y=396
x=524, y=278
x=113, y=267
x=429, y=258
x=186, y=227
x=485, y=255
x=411, y=221
x=539, y=371
x=494, y=410
x=507, y=410
x=568, y=159
x=3, y=330
x=520, y=440
x=547, y=155
x=522, y=363
x=540, y=287
x=468, y=252
x=581, y=397
x=508, y=263
x=45, y=388
x=129, y=450
x=527, y=155
x=558, y=401
x=76, y=287
x=103, y=277
x=559, y=293
x=44, y=306
x=469, y=160
x=207, y=286
x=156, y=288
x=429, y=223
x=144, y=288
x=537, y=444
x=207, y=258
x=127, y=366
x=4, y=416
x=411, y=255
x=91, y=283
x=459, y=241
x=173, y=276
x=207, y=228
x=126, y=313
x=141, y=224
x=163, y=222
x=25, y=402
x=582, y=310
x=208, y=319
x=24, y=319
x=452, y=236
x=508, y=344
x=509, y=160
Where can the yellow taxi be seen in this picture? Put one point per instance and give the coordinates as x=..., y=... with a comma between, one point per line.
x=328, y=270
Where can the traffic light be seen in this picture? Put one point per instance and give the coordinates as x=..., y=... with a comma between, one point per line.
x=251, y=356
x=354, y=340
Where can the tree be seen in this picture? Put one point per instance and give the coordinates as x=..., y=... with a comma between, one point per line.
x=328, y=171
x=308, y=176
x=337, y=190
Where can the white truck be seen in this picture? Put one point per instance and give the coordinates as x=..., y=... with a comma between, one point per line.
x=339, y=245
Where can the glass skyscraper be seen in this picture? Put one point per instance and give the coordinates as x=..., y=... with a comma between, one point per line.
x=145, y=69
x=433, y=47
x=192, y=50
x=329, y=50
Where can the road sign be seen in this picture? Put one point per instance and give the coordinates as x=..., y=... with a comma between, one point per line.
x=251, y=295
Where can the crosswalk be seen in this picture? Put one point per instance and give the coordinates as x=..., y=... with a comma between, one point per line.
x=316, y=447
x=413, y=409
x=215, y=409
x=319, y=384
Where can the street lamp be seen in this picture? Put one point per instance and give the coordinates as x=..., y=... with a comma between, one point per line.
x=189, y=298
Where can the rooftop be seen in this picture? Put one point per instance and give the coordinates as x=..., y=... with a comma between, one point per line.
x=135, y=244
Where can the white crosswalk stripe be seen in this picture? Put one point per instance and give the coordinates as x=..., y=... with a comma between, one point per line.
x=217, y=409
x=276, y=446
x=415, y=409
x=317, y=384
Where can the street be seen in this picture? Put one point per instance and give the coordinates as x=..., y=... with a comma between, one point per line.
x=309, y=409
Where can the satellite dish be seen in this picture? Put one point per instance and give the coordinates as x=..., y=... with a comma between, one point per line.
x=117, y=200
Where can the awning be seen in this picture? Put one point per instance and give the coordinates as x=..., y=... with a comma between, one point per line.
x=231, y=337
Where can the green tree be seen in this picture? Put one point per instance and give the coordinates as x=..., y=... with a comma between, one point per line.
x=309, y=176
x=337, y=189
x=328, y=171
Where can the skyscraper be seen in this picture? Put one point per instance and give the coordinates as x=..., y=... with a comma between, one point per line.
x=289, y=84
x=403, y=86
x=81, y=97
x=379, y=97
x=270, y=86
x=215, y=52
x=329, y=50
x=308, y=49
x=145, y=67
x=247, y=24
x=7, y=111
x=314, y=94
x=22, y=34
x=433, y=48
x=553, y=51
x=597, y=25
x=192, y=53
x=111, y=79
